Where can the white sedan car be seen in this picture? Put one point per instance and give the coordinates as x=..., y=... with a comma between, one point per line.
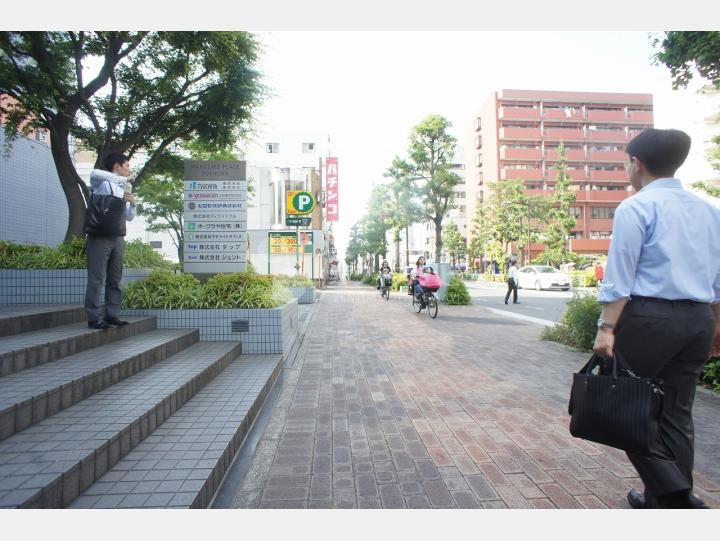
x=542, y=277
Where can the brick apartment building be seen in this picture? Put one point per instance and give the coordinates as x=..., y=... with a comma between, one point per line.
x=517, y=133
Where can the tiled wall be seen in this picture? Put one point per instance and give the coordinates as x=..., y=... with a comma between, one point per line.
x=33, y=208
x=52, y=286
x=304, y=295
x=269, y=330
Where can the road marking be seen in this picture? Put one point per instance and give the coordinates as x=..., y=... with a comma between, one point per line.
x=522, y=317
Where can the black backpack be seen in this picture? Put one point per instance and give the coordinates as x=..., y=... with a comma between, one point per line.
x=105, y=216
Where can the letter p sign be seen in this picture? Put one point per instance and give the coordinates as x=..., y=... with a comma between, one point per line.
x=303, y=202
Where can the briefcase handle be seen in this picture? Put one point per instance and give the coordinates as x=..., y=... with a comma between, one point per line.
x=617, y=364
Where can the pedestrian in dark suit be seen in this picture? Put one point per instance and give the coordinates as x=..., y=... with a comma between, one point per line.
x=512, y=283
x=660, y=298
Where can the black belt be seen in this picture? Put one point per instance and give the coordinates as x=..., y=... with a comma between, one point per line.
x=667, y=301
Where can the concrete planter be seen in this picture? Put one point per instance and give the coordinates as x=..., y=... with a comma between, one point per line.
x=261, y=330
x=64, y=286
x=304, y=295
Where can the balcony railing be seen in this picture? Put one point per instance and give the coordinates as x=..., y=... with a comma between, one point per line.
x=557, y=114
x=518, y=113
x=524, y=134
x=524, y=174
x=641, y=116
x=608, y=175
x=572, y=155
x=564, y=135
x=602, y=196
x=608, y=156
x=607, y=135
x=520, y=154
x=606, y=116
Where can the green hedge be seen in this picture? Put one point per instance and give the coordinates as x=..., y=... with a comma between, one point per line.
x=399, y=281
x=169, y=291
x=456, y=293
x=72, y=255
x=579, y=324
x=711, y=375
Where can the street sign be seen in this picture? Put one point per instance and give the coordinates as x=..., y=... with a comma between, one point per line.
x=299, y=202
x=298, y=220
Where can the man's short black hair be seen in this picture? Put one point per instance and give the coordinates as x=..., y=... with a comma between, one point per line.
x=111, y=159
x=662, y=151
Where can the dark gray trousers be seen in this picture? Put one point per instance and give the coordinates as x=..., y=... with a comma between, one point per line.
x=670, y=340
x=105, y=266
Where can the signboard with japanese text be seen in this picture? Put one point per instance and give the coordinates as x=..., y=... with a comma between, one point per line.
x=215, y=217
x=332, y=209
x=282, y=242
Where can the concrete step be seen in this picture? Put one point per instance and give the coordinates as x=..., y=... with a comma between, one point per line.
x=20, y=318
x=34, y=348
x=28, y=397
x=182, y=463
x=49, y=464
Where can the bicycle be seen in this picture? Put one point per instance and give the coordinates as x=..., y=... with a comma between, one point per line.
x=427, y=300
x=385, y=286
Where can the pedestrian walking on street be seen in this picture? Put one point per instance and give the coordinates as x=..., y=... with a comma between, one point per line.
x=660, y=298
x=512, y=283
x=105, y=253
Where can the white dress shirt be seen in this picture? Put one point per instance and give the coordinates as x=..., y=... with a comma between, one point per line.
x=106, y=183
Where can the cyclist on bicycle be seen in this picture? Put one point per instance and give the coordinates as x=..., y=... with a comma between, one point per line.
x=414, y=284
x=384, y=277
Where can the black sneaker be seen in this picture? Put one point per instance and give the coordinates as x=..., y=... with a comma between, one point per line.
x=98, y=324
x=115, y=321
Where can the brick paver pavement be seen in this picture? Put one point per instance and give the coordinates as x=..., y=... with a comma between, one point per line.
x=386, y=408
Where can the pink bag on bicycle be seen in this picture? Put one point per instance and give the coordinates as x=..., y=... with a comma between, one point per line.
x=430, y=281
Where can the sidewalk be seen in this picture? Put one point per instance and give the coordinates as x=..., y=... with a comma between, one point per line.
x=386, y=408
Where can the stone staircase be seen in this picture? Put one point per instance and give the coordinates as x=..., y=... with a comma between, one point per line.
x=129, y=417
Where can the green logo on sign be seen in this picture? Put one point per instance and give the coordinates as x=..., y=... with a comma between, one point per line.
x=303, y=202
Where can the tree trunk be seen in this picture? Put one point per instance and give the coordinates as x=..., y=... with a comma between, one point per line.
x=70, y=181
x=438, y=239
x=396, y=240
x=407, y=246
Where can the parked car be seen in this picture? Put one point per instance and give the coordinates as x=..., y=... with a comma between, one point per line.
x=542, y=277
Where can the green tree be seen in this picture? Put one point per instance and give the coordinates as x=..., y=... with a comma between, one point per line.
x=562, y=222
x=480, y=233
x=430, y=153
x=707, y=188
x=684, y=52
x=506, y=212
x=150, y=91
x=376, y=224
x=162, y=192
x=455, y=243
x=402, y=210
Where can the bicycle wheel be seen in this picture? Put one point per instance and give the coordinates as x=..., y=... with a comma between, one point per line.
x=417, y=305
x=432, y=306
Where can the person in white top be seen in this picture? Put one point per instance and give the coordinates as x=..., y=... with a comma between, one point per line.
x=512, y=283
x=105, y=254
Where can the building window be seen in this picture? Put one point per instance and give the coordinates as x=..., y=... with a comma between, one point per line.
x=576, y=212
x=576, y=235
x=602, y=213
x=478, y=124
x=478, y=160
x=596, y=235
x=478, y=141
x=308, y=148
x=272, y=148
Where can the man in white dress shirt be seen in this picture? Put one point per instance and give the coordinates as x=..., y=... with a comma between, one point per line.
x=105, y=254
x=661, y=303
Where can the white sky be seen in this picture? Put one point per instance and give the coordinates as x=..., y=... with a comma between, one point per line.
x=368, y=89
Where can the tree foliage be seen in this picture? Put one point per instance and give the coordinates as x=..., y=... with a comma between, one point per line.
x=127, y=92
x=401, y=207
x=685, y=52
x=430, y=153
x=562, y=223
x=455, y=244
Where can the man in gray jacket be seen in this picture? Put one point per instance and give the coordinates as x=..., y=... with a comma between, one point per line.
x=105, y=254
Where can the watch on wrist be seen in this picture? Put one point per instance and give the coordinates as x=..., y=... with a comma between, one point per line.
x=602, y=324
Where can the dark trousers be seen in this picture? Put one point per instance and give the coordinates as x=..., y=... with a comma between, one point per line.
x=512, y=287
x=105, y=266
x=669, y=340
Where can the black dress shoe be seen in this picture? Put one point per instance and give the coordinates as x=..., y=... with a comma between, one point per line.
x=98, y=324
x=115, y=321
x=681, y=500
x=637, y=500
x=516, y=302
